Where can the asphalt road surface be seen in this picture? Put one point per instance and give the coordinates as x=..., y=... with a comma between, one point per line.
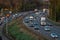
x=46, y=34
x=6, y=20
x=41, y=28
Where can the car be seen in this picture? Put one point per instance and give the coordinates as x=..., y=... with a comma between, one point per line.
x=47, y=28
x=35, y=10
x=26, y=21
x=43, y=23
x=50, y=25
x=0, y=23
x=54, y=35
x=16, y=14
x=31, y=18
x=20, y=14
x=13, y=15
x=10, y=12
x=37, y=13
x=31, y=25
x=44, y=10
x=36, y=28
x=0, y=38
x=43, y=18
x=35, y=23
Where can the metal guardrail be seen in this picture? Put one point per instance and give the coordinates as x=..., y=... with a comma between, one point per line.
x=36, y=33
x=8, y=35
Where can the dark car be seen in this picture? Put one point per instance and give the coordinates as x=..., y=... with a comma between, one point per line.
x=26, y=21
x=36, y=28
x=35, y=23
x=50, y=25
x=31, y=26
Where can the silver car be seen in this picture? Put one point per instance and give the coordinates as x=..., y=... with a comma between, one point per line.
x=54, y=35
x=47, y=28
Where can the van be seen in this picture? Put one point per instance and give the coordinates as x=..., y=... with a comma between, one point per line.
x=43, y=21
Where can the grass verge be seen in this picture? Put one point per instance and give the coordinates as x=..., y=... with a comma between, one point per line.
x=14, y=30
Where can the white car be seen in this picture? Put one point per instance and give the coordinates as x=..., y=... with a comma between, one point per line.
x=54, y=35
x=37, y=13
x=16, y=14
x=43, y=23
x=13, y=15
x=43, y=18
x=47, y=28
x=35, y=10
x=31, y=18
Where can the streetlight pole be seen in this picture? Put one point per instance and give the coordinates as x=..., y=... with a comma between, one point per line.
x=6, y=25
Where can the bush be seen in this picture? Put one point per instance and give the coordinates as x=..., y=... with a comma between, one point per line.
x=14, y=30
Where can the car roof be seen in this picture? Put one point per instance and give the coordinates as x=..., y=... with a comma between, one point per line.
x=47, y=26
x=53, y=33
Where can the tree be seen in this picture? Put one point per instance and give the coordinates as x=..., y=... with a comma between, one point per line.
x=53, y=4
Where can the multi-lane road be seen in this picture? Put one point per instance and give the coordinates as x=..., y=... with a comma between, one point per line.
x=46, y=34
x=6, y=20
x=37, y=16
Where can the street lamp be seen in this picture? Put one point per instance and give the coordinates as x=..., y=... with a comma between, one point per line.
x=6, y=25
x=7, y=22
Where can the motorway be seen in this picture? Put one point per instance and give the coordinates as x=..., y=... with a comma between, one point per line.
x=6, y=20
x=37, y=17
x=46, y=34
